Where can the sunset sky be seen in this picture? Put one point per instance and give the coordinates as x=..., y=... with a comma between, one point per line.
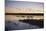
x=22, y=4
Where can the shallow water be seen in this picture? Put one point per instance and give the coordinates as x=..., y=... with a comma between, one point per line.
x=19, y=26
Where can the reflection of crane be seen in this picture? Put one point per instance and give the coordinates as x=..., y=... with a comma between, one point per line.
x=28, y=17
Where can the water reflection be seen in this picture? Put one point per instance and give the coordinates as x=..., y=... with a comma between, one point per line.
x=9, y=25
